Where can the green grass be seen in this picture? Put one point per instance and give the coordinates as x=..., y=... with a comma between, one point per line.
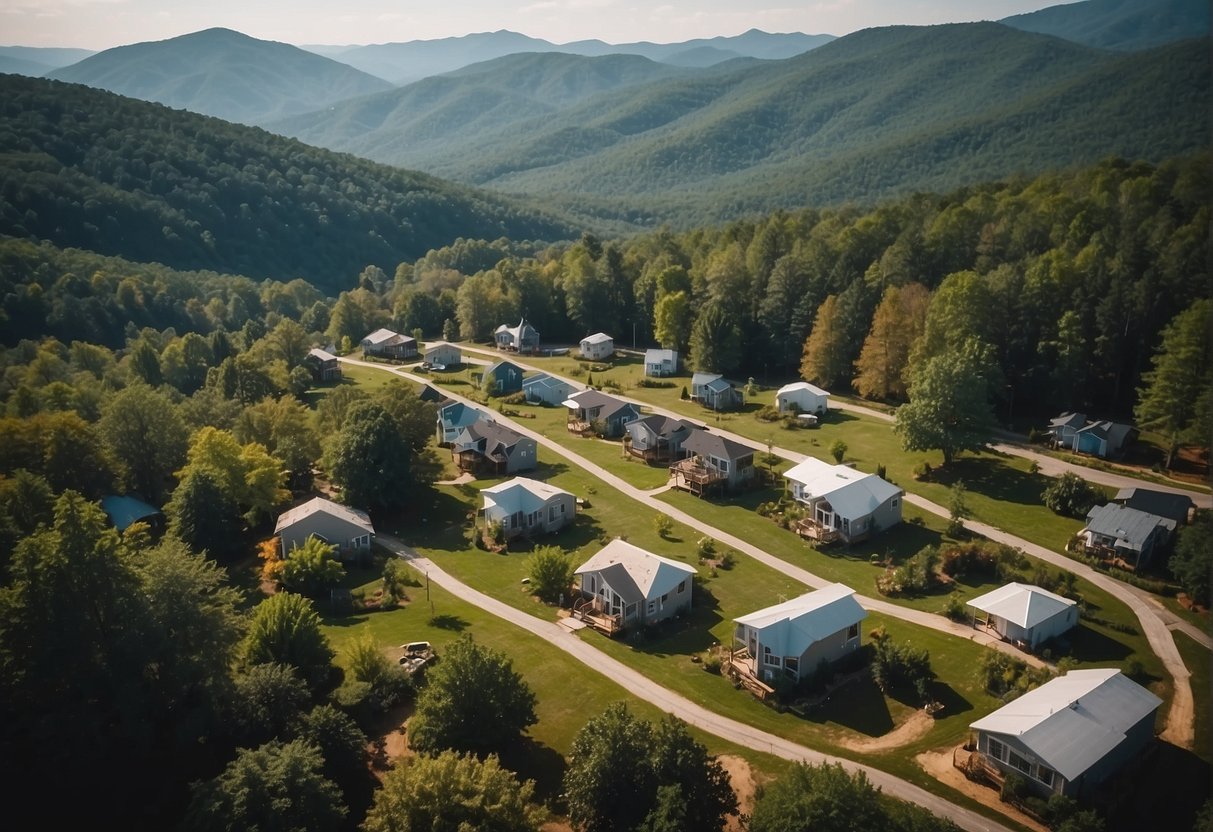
x=1197, y=660
x=1197, y=619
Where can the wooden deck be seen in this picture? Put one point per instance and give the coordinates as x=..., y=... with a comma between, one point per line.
x=693, y=476
x=736, y=666
x=812, y=530
x=587, y=611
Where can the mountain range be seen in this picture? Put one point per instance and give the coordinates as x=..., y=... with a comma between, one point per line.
x=877, y=112
x=88, y=169
x=1120, y=24
x=38, y=60
x=403, y=63
x=223, y=73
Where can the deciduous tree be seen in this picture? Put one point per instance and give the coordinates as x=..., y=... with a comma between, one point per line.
x=285, y=628
x=551, y=573
x=146, y=435
x=949, y=408
x=371, y=460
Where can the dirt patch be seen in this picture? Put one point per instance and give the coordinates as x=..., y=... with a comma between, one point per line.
x=916, y=727
x=938, y=764
x=389, y=739
x=741, y=777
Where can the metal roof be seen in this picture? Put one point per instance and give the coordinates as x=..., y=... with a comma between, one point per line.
x=709, y=444
x=700, y=379
x=122, y=510
x=802, y=385
x=791, y=627
x=1022, y=604
x=1129, y=527
x=319, y=505
x=851, y=493
x=634, y=573
x=521, y=494
x=587, y=399
x=597, y=338
x=1162, y=503
x=545, y=380
x=1073, y=721
x=656, y=356
x=323, y=355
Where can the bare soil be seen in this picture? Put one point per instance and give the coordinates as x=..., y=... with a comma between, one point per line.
x=741, y=777
x=917, y=726
x=938, y=764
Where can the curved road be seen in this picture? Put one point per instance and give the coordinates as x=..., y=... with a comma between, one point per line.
x=686, y=710
x=1155, y=619
x=1180, y=728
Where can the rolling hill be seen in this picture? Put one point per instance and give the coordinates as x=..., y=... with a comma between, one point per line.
x=43, y=58
x=89, y=169
x=425, y=117
x=879, y=112
x=404, y=63
x=223, y=73
x=1120, y=24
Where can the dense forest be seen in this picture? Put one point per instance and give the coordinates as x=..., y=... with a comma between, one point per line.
x=88, y=169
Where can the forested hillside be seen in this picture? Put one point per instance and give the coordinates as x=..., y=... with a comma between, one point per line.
x=873, y=114
x=1119, y=24
x=88, y=169
x=223, y=73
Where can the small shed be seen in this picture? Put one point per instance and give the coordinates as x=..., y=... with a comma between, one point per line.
x=597, y=346
x=443, y=355
x=1026, y=614
x=659, y=363
x=802, y=397
x=546, y=389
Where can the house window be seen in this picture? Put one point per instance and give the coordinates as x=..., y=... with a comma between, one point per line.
x=997, y=750
x=770, y=658
x=853, y=631
x=652, y=607
x=665, y=598
x=532, y=518
x=721, y=465
x=1044, y=775
x=552, y=512
x=1019, y=762
x=682, y=587
x=792, y=664
x=893, y=503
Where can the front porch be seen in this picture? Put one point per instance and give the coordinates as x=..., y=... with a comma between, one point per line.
x=475, y=462
x=590, y=611
x=579, y=426
x=660, y=453
x=812, y=529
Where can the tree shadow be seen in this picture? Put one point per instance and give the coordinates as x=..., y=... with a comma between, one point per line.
x=448, y=621
x=856, y=704
x=532, y=760
x=1163, y=789
x=991, y=477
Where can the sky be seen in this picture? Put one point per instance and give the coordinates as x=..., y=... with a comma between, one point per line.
x=101, y=24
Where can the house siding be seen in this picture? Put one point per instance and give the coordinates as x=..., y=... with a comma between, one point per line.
x=556, y=513
x=336, y=531
x=807, y=401
x=522, y=457
x=595, y=351
x=446, y=355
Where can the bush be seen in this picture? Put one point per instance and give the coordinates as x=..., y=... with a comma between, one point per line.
x=900, y=667
x=1071, y=495
x=656, y=383
x=881, y=472
x=915, y=576
x=768, y=413
x=713, y=664
x=1007, y=677
x=838, y=450
x=922, y=471
x=513, y=398
x=706, y=548
x=551, y=573
x=664, y=525
x=1014, y=789
x=685, y=395
x=956, y=609
x=728, y=560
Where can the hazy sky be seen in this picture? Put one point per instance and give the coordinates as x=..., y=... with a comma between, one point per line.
x=100, y=24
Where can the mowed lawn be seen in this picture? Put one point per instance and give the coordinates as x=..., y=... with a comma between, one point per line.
x=567, y=692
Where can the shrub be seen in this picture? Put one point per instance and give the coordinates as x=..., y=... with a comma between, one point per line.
x=768, y=413
x=551, y=573
x=915, y=576
x=1071, y=495
x=706, y=548
x=664, y=525
x=922, y=471
x=685, y=395
x=955, y=609
x=881, y=471
x=713, y=664
x=728, y=560
x=654, y=383
x=1014, y=789
x=513, y=398
x=900, y=667
x=838, y=450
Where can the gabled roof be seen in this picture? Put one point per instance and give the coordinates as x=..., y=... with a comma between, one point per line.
x=456, y=414
x=441, y=345
x=718, y=385
x=521, y=494
x=321, y=355
x=379, y=336
x=801, y=385
x=123, y=510
x=700, y=379
x=597, y=338
x=660, y=356
x=429, y=393
x=588, y=399
x=497, y=366
x=1075, y=720
x=851, y=493
x=547, y=381
x=497, y=438
x=519, y=333
x=319, y=505
x=1071, y=420
x=1113, y=432
x=1022, y=604
x=1163, y=503
x=710, y=444
x=663, y=425
x=1127, y=525
x=788, y=629
x=634, y=573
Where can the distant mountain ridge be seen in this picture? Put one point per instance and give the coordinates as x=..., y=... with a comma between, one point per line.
x=1120, y=24
x=223, y=73
x=158, y=185
x=404, y=63
x=876, y=113
x=44, y=57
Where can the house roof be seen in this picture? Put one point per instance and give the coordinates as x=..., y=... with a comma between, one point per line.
x=519, y=333
x=710, y=444
x=497, y=366
x=441, y=345
x=322, y=355
x=788, y=629
x=588, y=399
x=660, y=356
x=1073, y=721
x=319, y=505
x=547, y=381
x=123, y=510
x=634, y=573
x=718, y=385
x=801, y=385
x=521, y=494
x=379, y=336
x=700, y=379
x=496, y=437
x=663, y=425
x=1022, y=604
x=851, y=493
x=1163, y=503
x=456, y=414
x=1128, y=526
x=1113, y=432
x=1067, y=419
x=597, y=338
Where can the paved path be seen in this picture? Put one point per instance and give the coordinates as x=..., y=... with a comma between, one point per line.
x=1180, y=728
x=693, y=714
